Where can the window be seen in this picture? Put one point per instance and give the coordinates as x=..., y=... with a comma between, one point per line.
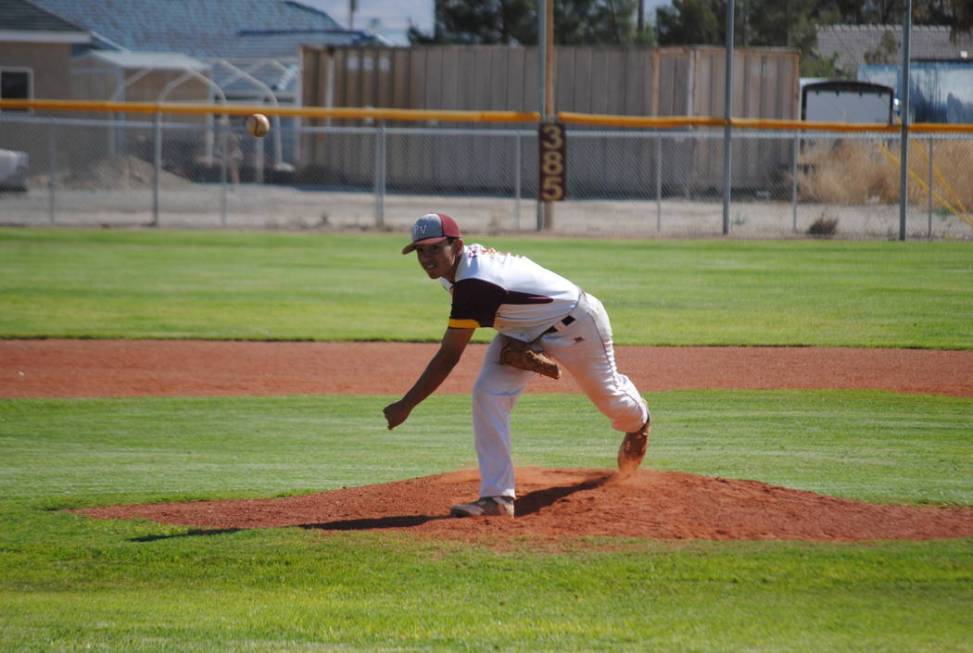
x=16, y=84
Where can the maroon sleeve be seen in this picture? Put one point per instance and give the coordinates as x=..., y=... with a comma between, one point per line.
x=475, y=303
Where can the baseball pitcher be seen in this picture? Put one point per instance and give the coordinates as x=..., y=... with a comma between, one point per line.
x=543, y=321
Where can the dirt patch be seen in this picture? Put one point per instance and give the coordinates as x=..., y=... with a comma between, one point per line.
x=114, y=173
x=98, y=368
x=564, y=505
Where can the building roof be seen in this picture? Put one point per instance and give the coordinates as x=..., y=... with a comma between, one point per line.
x=21, y=21
x=205, y=28
x=145, y=60
x=211, y=31
x=852, y=42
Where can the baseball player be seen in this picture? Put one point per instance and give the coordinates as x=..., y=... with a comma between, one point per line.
x=538, y=316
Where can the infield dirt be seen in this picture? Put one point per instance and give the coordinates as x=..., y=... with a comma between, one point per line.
x=555, y=506
x=130, y=368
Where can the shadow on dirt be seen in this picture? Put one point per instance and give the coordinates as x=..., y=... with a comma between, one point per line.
x=528, y=504
x=376, y=523
x=539, y=499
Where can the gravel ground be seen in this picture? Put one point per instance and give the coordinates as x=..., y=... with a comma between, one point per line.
x=281, y=207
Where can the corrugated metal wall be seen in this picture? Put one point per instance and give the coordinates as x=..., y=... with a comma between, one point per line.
x=624, y=81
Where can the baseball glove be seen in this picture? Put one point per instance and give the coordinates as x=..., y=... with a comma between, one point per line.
x=521, y=355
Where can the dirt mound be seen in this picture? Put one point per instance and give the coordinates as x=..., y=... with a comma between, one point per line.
x=564, y=504
x=115, y=173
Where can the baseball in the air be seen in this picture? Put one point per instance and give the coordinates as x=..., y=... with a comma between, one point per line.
x=258, y=125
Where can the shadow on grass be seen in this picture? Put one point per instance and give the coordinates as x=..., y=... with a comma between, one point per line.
x=196, y=532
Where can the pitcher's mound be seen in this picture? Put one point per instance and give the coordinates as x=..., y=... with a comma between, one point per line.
x=563, y=504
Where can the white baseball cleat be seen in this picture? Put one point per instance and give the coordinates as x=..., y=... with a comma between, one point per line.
x=632, y=450
x=485, y=507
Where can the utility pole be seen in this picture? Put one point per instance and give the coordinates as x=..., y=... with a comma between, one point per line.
x=904, y=135
x=746, y=25
x=727, y=113
x=545, y=58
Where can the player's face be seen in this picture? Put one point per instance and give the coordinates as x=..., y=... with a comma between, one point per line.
x=437, y=260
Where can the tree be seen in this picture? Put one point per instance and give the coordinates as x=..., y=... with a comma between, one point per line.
x=481, y=22
x=576, y=22
x=790, y=22
x=962, y=16
x=794, y=23
x=887, y=50
x=690, y=22
x=779, y=23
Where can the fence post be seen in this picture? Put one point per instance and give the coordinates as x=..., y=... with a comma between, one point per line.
x=52, y=170
x=517, y=173
x=658, y=182
x=156, y=168
x=258, y=158
x=795, y=150
x=904, y=127
x=224, y=135
x=929, y=191
x=380, y=175
x=727, y=113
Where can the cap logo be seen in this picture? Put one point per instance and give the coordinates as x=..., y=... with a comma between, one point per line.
x=432, y=226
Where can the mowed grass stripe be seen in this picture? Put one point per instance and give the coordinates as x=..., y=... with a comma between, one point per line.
x=268, y=285
x=872, y=446
x=115, y=588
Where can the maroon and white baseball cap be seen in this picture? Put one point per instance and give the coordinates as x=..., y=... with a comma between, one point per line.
x=430, y=229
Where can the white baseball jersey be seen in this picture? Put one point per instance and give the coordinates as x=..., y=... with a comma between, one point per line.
x=510, y=293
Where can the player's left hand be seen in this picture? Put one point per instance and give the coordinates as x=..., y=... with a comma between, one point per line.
x=396, y=413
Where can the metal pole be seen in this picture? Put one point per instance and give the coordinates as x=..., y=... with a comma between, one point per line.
x=929, y=191
x=52, y=170
x=549, y=95
x=658, y=182
x=225, y=148
x=380, y=176
x=208, y=144
x=156, y=168
x=795, y=147
x=904, y=137
x=517, y=167
x=258, y=158
x=541, y=87
x=329, y=87
x=112, y=145
x=727, y=111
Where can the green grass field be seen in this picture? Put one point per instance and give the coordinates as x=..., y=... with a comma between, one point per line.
x=264, y=285
x=69, y=583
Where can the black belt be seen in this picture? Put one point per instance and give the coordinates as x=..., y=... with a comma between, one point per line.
x=566, y=321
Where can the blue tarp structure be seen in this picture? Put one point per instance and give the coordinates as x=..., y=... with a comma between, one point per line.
x=939, y=91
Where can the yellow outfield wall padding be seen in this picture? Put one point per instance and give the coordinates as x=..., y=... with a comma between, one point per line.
x=658, y=122
x=432, y=115
x=348, y=113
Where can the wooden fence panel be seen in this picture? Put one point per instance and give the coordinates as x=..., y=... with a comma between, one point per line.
x=627, y=81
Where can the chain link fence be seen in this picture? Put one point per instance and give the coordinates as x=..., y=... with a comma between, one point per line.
x=208, y=172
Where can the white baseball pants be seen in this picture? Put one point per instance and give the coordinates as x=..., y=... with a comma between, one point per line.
x=584, y=348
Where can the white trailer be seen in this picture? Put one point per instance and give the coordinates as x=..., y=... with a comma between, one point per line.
x=847, y=101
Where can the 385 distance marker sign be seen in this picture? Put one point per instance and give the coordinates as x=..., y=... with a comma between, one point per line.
x=554, y=162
